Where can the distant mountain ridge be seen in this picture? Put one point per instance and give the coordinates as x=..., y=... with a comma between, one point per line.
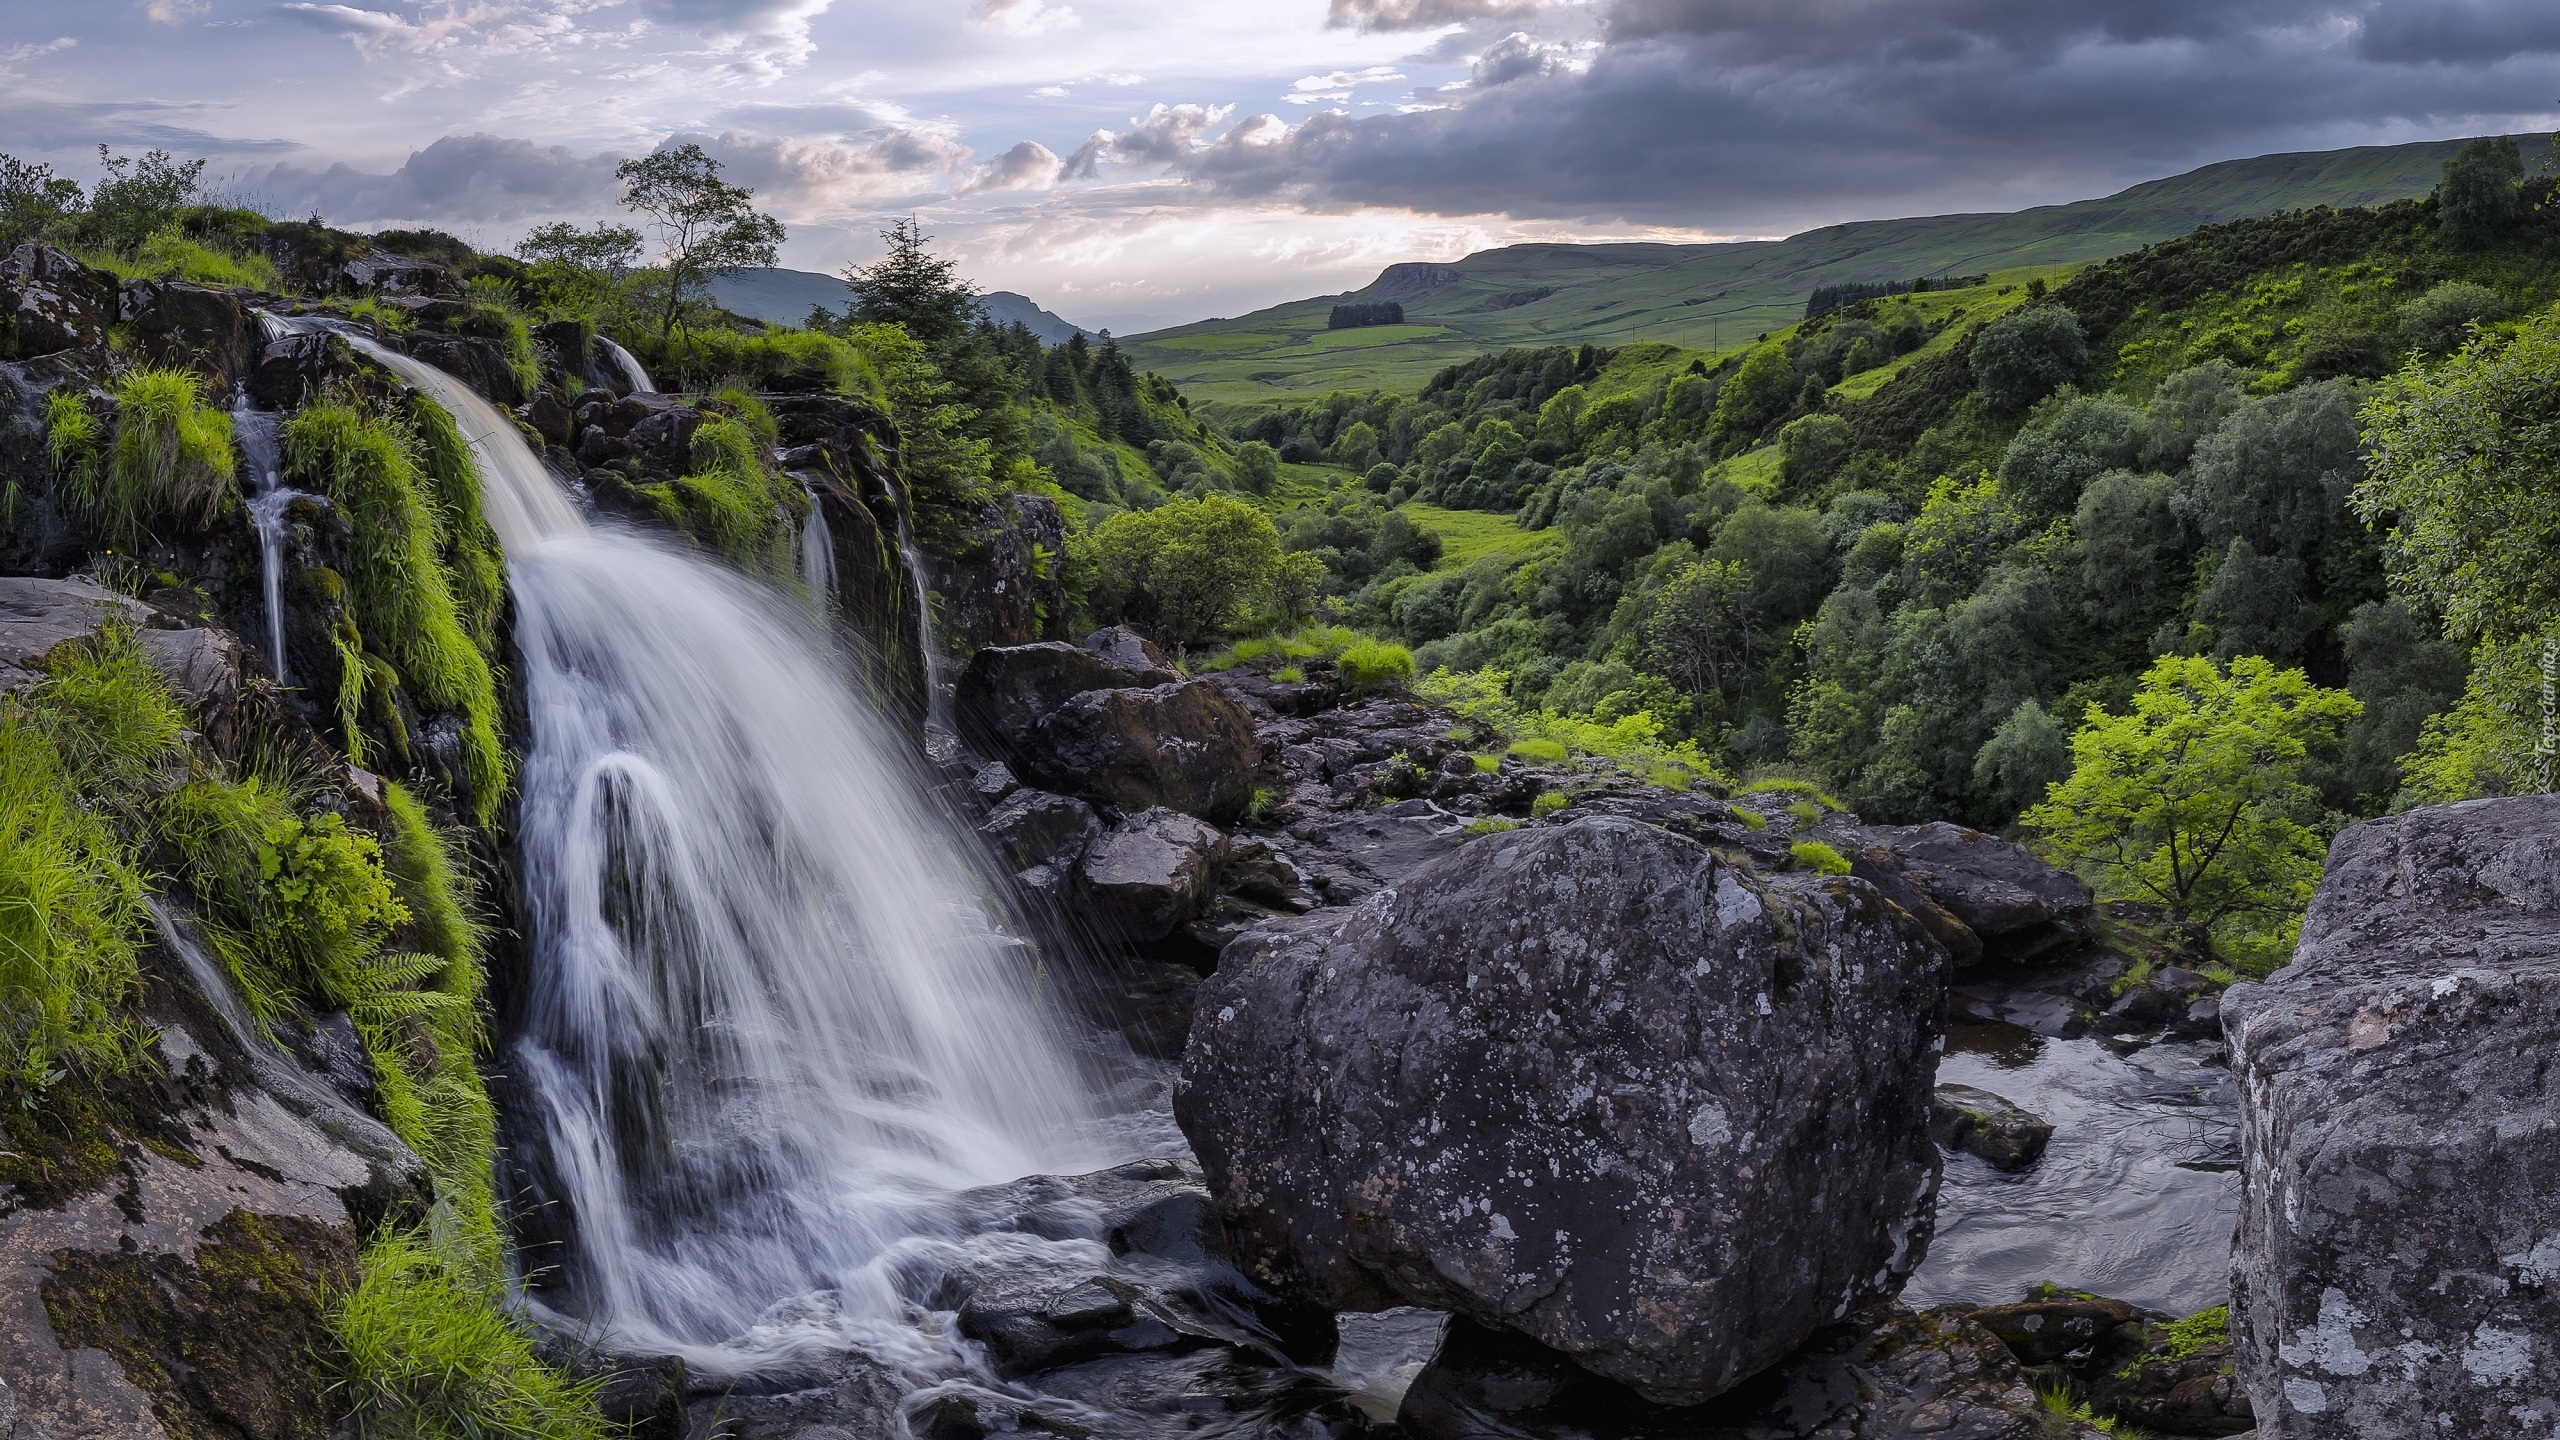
x=785, y=297
x=1724, y=295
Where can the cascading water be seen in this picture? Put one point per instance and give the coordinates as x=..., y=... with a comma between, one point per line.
x=634, y=379
x=770, y=1031
x=256, y=430
x=817, y=554
x=937, y=706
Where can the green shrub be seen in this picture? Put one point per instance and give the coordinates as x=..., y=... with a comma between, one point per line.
x=773, y=360
x=1189, y=570
x=1368, y=664
x=113, y=719
x=171, y=464
x=70, y=909
x=1488, y=764
x=1548, y=803
x=432, y=1355
x=1538, y=752
x=1632, y=742
x=398, y=588
x=1818, y=857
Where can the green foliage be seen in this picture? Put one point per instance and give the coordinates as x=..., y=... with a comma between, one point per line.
x=732, y=503
x=1788, y=785
x=76, y=751
x=168, y=254
x=2478, y=201
x=580, y=274
x=1548, y=803
x=2441, y=320
x=171, y=466
x=1538, y=752
x=1634, y=742
x=34, y=202
x=399, y=591
x=136, y=197
x=74, y=442
x=1820, y=858
x=1190, y=570
x=1369, y=664
x=2200, y=799
x=2184, y=1339
x=913, y=288
x=2024, y=357
x=432, y=1355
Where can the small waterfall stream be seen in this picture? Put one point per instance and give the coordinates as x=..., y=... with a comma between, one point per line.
x=635, y=379
x=771, y=1031
x=256, y=431
x=937, y=703
x=817, y=554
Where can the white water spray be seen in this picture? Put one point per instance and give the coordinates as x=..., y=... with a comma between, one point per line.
x=937, y=707
x=634, y=379
x=817, y=554
x=770, y=1029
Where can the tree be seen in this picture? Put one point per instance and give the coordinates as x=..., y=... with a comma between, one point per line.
x=136, y=196
x=34, y=202
x=579, y=272
x=1257, y=467
x=1755, y=395
x=2478, y=200
x=705, y=224
x=1700, y=632
x=915, y=288
x=2019, y=359
x=1192, y=569
x=2200, y=798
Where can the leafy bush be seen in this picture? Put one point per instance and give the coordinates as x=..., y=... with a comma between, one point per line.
x=2440, y=320
x=172, y=461
x=2022, y=357
x=1189, y=570
x=1548, y=803
x=1633, y=742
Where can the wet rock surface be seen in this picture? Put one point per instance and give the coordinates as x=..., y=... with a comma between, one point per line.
x=1980, y=1123
x=2398, y=1265
x=1149, y=874
x=1539, y=1086
x=1186, y=746
x=2020, y=907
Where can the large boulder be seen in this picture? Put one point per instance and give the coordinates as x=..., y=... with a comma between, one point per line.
x=1591, y=1083
x=192, y=326
x=2398, y=1264
x=1008, y=689
x=2021, y=908
x=1150, y=874
x=1187, y=746
x=50, y=302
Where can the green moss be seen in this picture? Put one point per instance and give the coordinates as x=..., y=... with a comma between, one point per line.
x=1751, y=819
x=224, y=1343
x=171, y=464
x=731, y=503
x=1492, y=825
x=1488, y=764
x=399, y=591
x=430, y=1354
x=2185, y=1339
x=1818, y=857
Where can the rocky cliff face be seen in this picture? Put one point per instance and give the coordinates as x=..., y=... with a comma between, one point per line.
x=2398, y=1266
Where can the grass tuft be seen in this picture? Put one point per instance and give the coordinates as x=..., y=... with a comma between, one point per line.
x=434, y=1356
x=171, y=462
x=1818, y=857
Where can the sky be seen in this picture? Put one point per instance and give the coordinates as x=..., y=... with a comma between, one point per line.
x=1136, y=163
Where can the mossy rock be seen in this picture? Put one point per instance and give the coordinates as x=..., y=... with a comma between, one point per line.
x=222, y=1343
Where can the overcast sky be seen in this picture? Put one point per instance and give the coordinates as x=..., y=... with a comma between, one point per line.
x=1138, y=162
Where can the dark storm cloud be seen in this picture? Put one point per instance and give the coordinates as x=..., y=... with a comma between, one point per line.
x=458, y=178
x=1764, y=115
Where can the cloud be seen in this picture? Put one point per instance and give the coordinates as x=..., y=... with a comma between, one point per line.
x=171, y=12
x=1021, y=17
x=76, y=127
x=1165, y=135
x=1027, y=166
x=458, y=179
x=1765, y=116
x=1376, y=15
x=818, y=174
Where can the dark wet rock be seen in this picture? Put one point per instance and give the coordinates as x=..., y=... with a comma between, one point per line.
x=193, y=327
x=2022, y=908
x=480, y=362
x=2398, y=1264
x=330, y=1049
x=380, y=272
x=2047, y=1328
x=1151, y=873
x=1348, y=857
x=1980, y=1123
x=293, y=369
x=50, y=302
x=1888, y=1374
x=1877, y=866
x=1011, y=558
x=1007, y=690
x=992, y=782
x=646, y=1397
x=1150, y=1002
x=1135, y=653
x=857, y=1398
x=38, y=616
x=1037, y=1325
x=663, y=442
x=1034, y=827
x=1186, y=746
x=2170, y=1388
x=548, y=416
x=1587, y=1082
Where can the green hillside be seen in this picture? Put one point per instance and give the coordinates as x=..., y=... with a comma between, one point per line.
x=1723, y=296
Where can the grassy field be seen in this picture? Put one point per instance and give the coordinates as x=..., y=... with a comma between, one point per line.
x=1722, y=297
x=1470, y=535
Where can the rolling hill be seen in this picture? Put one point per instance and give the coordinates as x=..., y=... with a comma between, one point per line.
x=1722, y=296
x=785, y=297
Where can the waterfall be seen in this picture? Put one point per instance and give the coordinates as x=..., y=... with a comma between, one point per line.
x=937, y=707
x=817, y=554
x=770, y=1029
x=635, y=379
x=256, y=430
